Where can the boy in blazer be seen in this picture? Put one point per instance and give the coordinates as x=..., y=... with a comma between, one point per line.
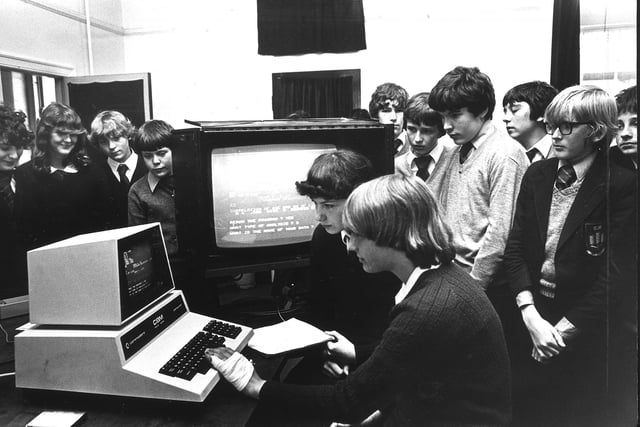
x=565, y=257
x=110, y=134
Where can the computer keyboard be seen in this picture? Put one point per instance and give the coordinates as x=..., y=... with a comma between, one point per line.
x=190, y=359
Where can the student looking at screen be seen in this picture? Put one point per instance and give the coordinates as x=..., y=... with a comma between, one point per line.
x=151, y=198
x=441, y=361
x=343, y=296
x=110, y=134
x=387, y=105
x=59, y=192
x=523, y=106
x=424, y=128
x=14, y=137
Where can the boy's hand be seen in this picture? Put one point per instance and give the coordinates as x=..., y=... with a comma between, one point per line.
x=340, y=348
x=236, y=369
x=547, y=341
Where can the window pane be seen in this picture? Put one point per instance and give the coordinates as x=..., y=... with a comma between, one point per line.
x=36, y=99
x=48, y=90
x=19, y=92
x=608, y=44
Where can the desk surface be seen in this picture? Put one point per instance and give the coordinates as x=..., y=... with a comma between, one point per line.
x=223, y=407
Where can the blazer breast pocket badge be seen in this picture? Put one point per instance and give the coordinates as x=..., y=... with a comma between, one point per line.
x=594, y=238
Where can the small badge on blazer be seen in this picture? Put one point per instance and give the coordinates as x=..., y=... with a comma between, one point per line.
x=594, y=238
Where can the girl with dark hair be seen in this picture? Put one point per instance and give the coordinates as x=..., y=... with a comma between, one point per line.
x=59, y=193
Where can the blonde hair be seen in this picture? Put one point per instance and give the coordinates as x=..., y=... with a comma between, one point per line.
x=585, y=103
x=400, y=212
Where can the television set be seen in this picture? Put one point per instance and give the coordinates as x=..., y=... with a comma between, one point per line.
x=237, y=208
x=98, y=279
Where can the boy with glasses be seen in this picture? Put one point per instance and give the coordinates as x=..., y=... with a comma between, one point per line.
x=572, y=217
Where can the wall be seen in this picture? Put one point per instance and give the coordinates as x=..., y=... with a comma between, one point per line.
x=202, y=54
x=50, y=34
x=204, y=64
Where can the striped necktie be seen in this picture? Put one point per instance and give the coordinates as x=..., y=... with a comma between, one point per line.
x=566, y=177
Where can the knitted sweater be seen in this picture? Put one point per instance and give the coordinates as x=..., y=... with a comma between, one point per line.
x=441, y=361
x=157, y=205
x=478, y=199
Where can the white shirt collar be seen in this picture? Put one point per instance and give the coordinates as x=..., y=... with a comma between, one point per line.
x=131, y=164
x=582, y=167
x=543, y=146
x=411, y=281
x=70, y=168
x=435, y=154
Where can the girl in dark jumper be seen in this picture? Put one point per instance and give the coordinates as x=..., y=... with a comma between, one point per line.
x=59, y=193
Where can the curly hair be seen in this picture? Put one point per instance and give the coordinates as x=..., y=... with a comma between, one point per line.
x=59, y=117
x=13, y=130
x=384, y=92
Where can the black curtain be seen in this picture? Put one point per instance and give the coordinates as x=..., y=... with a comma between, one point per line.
x=565, y=44
x=320, y=97
x=293, y=27
x=127, y=97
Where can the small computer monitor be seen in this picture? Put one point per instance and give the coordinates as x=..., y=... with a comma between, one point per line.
x=101, y=279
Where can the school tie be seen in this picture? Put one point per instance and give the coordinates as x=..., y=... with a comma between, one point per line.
x=122, y=172
x=397, y=144
x=423, y=167
x=531, y=154
x=464, y=151
x=566, y=177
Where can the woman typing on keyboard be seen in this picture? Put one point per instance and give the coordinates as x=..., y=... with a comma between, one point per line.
x=443, y=358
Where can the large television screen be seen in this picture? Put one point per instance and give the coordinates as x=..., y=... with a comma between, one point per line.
x=237, y=208
x=255, y=202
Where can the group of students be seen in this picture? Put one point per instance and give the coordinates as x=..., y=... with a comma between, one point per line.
x=78, y=182
x=491, y=281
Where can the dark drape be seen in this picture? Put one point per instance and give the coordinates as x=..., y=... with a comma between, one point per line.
x=89, y=99
x=565, y=44
x=320, y=97
x=293, y=27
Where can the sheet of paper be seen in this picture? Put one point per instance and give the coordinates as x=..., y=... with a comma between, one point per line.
x=56, y=418
x=286, y=336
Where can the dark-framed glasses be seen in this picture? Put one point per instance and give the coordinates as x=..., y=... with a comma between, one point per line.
x=565, y=127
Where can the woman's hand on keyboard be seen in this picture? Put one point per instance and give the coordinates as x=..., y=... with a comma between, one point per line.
x=236, y=369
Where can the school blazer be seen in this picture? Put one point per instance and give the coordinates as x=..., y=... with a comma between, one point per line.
x=117, y=199
x=593, y=250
